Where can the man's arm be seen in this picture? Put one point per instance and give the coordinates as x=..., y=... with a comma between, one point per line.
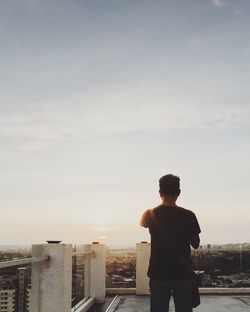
x=195, y=241
x=145, y=219
x=194, y=231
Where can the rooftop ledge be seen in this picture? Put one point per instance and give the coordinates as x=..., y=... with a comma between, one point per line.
x=203, y=291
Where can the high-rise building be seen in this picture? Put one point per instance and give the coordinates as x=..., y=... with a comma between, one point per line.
x=22, y=293
x=7, y=294
x=15, y=291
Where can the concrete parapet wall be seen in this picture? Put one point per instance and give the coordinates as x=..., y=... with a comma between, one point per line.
x=97, y=273
x=225, y=291
x=52, y=279
x=120, y=291
x=203, y=291
x=142, y=260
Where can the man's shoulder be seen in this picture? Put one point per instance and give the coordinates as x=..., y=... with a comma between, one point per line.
x=190, y=217
x=150, y=210
x=147, y=217
x=186, y=211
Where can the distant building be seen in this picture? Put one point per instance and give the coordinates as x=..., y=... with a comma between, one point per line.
x=7, y=294
x=7, y=300
x=15, y=291
x=22, y=290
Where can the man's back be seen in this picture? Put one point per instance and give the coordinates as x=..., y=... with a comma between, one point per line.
x=178, y=226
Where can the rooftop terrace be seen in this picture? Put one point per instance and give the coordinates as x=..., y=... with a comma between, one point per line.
x=131, y=303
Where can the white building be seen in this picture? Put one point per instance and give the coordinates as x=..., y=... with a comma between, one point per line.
x=7, y=299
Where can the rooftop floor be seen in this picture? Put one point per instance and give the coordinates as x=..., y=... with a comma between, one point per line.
x=131, y=303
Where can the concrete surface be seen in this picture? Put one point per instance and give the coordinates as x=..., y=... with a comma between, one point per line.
x=51, y=289
x=97, y=272
x=209, y=304
x=142, y=259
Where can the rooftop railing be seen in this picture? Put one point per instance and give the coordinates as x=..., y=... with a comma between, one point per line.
x=80, y=277
x=56, y=287
x=51, y=278
x=142, y=281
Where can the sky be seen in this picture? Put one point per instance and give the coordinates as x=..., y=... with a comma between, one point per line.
x=99, y=99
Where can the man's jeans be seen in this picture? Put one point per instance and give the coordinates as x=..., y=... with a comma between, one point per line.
x=162, y=291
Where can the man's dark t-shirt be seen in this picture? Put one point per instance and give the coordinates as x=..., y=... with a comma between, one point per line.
x=179, y=225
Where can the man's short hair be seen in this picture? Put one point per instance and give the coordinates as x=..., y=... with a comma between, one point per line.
x=169, y=185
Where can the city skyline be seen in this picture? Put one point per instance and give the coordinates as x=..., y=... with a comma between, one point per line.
x=100, y=99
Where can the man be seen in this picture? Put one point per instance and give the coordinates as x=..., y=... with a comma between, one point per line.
x=172, y=229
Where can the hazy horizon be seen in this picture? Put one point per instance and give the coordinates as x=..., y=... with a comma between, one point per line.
x=99, y=99
x=112, y=247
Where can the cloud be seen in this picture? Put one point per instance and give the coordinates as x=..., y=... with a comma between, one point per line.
x=218, y=3
x=112, y=112
x=237, y=11
x=221, y=3
x=34, y=145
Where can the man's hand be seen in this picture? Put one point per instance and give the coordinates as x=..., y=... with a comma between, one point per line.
x=145, y=219
x=195, y=241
